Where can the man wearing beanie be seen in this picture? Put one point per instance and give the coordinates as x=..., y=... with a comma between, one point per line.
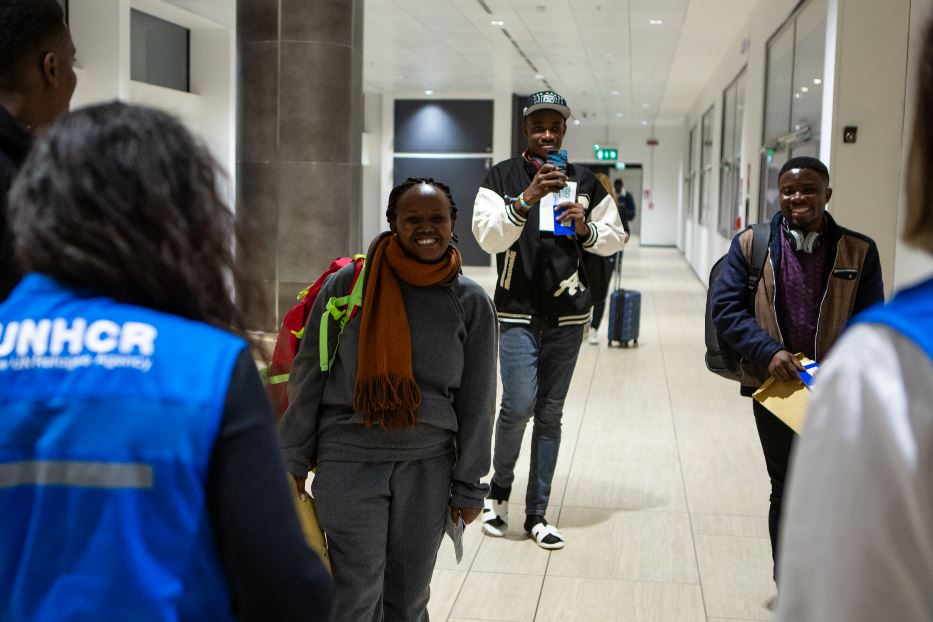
x=542, y=300
x=816, y=276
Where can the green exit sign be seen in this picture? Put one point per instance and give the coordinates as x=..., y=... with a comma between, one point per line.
x=607, y=154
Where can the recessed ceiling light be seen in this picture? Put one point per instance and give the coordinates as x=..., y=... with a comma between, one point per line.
x=644, y=123
x=497, y=22
x=817, y=81
x=796, y=95
x=646, y=105
x=429, y=92
x=804, y=89
x=620, y=115
x=539, y=76
x=655, y=22
x=614, y=92
x=576, y=121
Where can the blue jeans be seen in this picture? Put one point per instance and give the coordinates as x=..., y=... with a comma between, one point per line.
x=536, y=364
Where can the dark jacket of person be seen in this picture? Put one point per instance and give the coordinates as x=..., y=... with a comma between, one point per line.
x=851, y=282
x=14, y=145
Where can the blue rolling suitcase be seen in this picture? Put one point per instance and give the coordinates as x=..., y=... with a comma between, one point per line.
x=624, y=312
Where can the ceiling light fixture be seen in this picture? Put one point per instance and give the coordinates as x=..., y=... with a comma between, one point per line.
x=646, y=105
x=619, y=114
x=497, y=22
x=804, y=89
x=614, y=92
x=817, y=81
x=539, y=76
x=429, y=92
x=644, y=123
x=576, y=121
x=655, y=22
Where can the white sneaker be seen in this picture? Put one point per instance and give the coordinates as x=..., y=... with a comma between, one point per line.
x=495, y=517
x=593, y=338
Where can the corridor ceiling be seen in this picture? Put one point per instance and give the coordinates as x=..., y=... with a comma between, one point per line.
x=608, y=59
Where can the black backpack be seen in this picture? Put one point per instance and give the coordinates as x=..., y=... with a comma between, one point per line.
x=721, y=358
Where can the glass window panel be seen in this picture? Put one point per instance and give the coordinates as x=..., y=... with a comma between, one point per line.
x=706, y=163
x=158, y=51
x=779, y=83
x=739, y=113
x=809, y=54
x=726, y=198
x=692, y=168
x=728, y=122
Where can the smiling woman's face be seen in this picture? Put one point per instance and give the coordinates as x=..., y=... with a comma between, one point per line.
x=423, y=223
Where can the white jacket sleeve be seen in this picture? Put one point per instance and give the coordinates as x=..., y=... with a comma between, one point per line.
x=607, y=236
x=496, y=223
x=857, y=539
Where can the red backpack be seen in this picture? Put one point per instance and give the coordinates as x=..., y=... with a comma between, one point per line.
x=341, y=308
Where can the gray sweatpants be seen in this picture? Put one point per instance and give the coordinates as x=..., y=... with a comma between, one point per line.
x=384, y=523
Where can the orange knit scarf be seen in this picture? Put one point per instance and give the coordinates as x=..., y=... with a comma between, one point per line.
x=386, y=392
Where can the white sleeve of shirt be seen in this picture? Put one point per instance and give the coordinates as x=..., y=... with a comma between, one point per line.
x=496, y=224
x=857, y=533
x=607, y=236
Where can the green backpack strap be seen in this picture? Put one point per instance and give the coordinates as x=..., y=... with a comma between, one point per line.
x=341, y=308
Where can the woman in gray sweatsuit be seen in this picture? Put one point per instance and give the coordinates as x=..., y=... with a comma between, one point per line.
x=389, y=473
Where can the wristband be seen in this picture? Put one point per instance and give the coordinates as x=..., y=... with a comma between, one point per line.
x=521, y=201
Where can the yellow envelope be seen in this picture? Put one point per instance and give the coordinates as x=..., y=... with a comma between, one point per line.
x=788, y=401
x=310, y=526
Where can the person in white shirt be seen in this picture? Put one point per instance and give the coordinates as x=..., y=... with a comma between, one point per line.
x=857, y=541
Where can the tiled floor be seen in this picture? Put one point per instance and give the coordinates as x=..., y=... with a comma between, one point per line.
x=660, y=490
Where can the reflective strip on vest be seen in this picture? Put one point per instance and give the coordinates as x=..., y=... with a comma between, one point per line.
x=75, y=473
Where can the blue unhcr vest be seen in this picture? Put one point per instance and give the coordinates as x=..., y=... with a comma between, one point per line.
x=910, y=313
x=108, y=417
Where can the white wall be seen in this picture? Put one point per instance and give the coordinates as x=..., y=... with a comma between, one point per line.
x=101, y=32
x=373, y=156
x=911, y=265
x=870, y=86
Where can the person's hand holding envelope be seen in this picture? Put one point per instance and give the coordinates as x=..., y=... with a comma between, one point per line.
x=785, y=393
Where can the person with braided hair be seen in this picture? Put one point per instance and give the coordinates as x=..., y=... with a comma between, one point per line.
x=37, y=80
x=401, y=425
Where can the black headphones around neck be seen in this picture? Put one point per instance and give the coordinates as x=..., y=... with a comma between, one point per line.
x=800, y=241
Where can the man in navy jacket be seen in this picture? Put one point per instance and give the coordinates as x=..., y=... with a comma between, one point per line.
x=816, y=276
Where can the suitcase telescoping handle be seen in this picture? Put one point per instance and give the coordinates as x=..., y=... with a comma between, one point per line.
x=617, y=273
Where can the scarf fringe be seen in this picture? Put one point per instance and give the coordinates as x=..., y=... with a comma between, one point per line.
x=391, y=402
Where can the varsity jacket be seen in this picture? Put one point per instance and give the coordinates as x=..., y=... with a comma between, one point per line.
x=851, y=282
x=105, y=439
x=539, y=274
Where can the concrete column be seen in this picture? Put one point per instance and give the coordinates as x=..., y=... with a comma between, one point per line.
x=299, y=127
